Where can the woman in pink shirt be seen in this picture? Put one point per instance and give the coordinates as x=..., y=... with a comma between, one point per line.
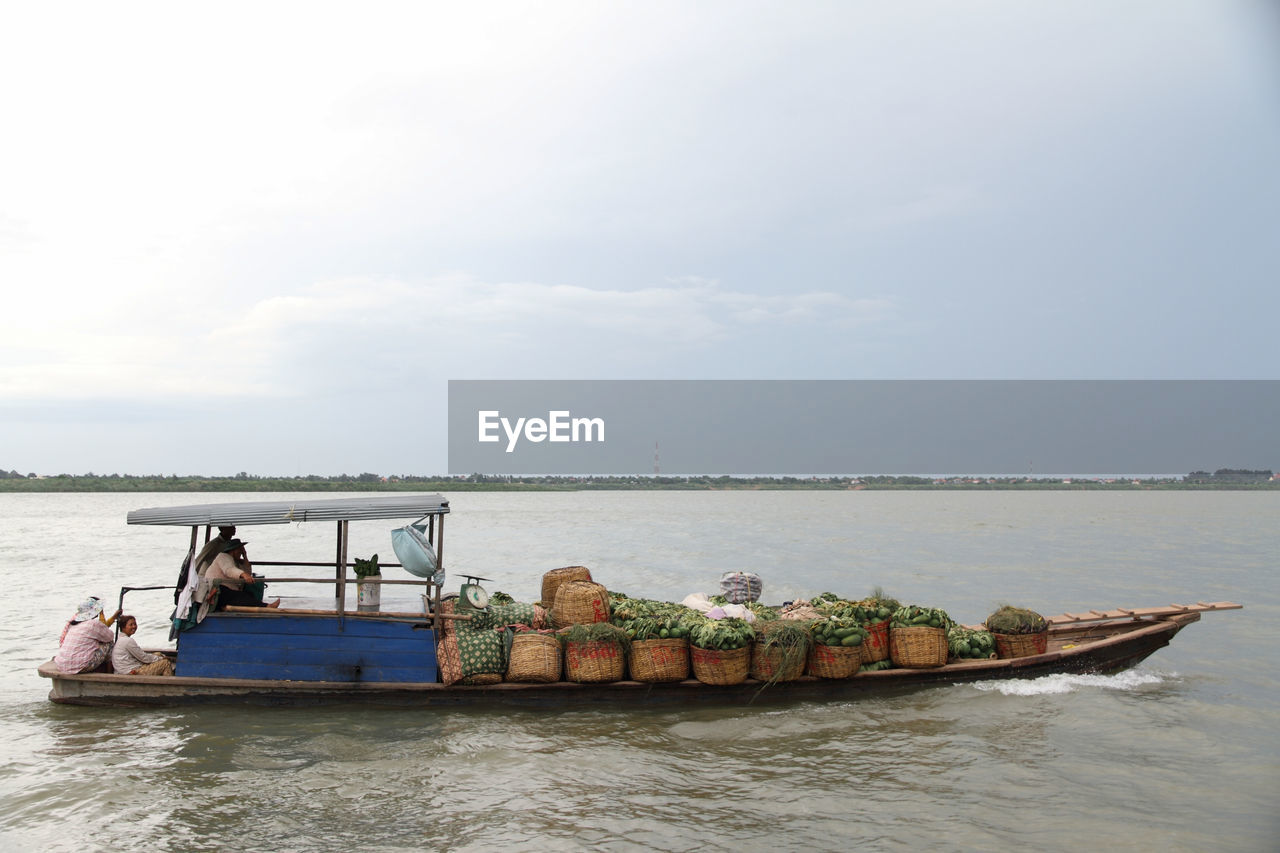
x=86, y=641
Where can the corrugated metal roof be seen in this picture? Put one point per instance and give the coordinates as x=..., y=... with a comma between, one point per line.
x=282, y=512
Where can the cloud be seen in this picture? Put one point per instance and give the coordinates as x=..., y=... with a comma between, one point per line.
x=173, y=224
x=375, y=331
x=943, y=202
x=370, y=333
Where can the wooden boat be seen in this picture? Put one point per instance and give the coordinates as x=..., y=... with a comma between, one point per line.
x=293, y=657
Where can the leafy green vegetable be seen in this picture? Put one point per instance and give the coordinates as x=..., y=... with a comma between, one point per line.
x=366, y=568
x=596, y=632
x=1016, y=620
x=721, y=634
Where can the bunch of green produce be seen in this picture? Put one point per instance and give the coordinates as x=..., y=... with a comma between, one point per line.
x=624, y=609
x=501, y=598
x=877, y=612
x=787, y=635
x=661, y=627
x=969, y=644
x=1016, y=620
x=825, y=598
x=878, y=607
x=784, y=632
x=912, y=616
x=596, y=632
x=645, y=619
x=878, y=601
x=721, y=635
x=763, y=612
x=791, y=639
x=876, y=666
x=367, y=568
x=863, y=612
x=837, y=607
x=834, y=631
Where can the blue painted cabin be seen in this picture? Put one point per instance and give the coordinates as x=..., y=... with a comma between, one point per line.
x=309, y=647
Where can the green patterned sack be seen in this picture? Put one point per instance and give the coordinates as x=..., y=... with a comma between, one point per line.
x=517, y=613
x=475, y=650
x=480, y=646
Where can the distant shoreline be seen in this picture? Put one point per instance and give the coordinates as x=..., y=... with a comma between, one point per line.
x=373, y=483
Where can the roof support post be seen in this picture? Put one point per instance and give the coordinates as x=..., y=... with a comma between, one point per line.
x=341, y=567
x=440, y=546
x=435, y=607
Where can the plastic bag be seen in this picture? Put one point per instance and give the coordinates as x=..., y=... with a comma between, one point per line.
x=741, y=587
x=697, y=601
x=415, y=552
x=731, y=611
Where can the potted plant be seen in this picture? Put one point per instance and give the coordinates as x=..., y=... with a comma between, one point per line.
x=369, y=595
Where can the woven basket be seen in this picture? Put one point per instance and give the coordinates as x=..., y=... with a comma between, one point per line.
x=834, y=661
x=580, y=603
x=918, y=647
x=534, y=658
x=769, y=663
x=716, y=667
x=1021, y=645
x=654, y=661
x=876, y=646
x=593, y=662
x=483, y=678
x=552, y=580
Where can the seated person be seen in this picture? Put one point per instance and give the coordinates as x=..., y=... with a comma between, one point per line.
x=86, y=610
x=233, y=569
x=128, y=658
x=86, y=642
x=213, y=548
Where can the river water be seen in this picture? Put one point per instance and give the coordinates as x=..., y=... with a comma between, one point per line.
x=1181, y=753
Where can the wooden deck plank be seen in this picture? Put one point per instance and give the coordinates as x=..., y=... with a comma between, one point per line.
x=1143, y=612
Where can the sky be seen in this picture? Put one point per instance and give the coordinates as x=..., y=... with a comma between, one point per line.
x=263, y=236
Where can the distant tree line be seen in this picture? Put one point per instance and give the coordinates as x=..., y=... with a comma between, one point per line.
x=1230, y=475
x=13, y=481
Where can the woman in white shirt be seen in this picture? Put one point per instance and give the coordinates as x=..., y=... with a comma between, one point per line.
x=128, y=658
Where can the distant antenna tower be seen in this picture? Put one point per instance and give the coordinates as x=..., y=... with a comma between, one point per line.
x=657, y=460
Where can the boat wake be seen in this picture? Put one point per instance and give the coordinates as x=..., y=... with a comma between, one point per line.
x=1065, y=683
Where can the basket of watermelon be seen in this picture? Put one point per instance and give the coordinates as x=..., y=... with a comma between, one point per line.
x=967, y=644
x=659, y=648
x=875, y=614
x=837, y=647
x=720, y=650
x=918, y=637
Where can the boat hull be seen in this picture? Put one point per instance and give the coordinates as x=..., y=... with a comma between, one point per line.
x=1093, y=649
x=309, y=647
